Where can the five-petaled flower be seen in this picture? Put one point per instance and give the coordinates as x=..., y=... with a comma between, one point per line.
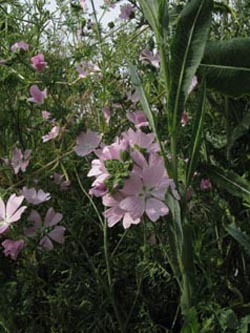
x=37, y=95
x=35, y=197
x=47, y=229
x=20, y=46
x=12, y=248
x=38, y=63
x=20, y=160
x=11, y=212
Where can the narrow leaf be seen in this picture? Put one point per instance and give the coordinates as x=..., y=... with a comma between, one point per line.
x=230, y=181
x=196, y=135
x=240, y=236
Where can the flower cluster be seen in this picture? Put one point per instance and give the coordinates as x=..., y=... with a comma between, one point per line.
x=131, y=178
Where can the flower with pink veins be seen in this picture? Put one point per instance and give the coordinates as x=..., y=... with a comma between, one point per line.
x=87, y=142
x=37, y=95
x=35, y=197
x=11, y=212
x=145, y=192
x=20, y=46
x=49, y=229
x=19, y=160
x=12, y=248
x=38, y=63
x=138, y=118
x=148, y=56
x=53, y=133
x=114, y=214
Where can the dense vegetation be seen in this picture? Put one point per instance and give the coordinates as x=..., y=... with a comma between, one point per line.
x=124, y=167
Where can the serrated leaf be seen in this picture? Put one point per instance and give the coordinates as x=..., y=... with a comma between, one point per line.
x=240, y=236
x=227, y=66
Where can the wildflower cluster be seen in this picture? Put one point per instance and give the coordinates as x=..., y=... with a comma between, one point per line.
x=131, y=178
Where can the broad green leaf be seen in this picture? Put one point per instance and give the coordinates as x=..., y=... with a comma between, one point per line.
x=227, y=66
x=187, y=50
x=196, y=135
x=240, y=236
x=244, y=325
x=230, y=181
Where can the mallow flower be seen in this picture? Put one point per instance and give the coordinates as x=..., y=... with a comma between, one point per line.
x=20, y=46
x=126, y=12
x=35, y=197
x=11, y=212
x=148, y=57
x=37, y=95
x=53, y=133
x=20, y=160
x=47, y=229
x=12, y=248
x=87, y=142
x=38, y=63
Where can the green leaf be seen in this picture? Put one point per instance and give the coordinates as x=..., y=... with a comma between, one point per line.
x=244, y=325
x=196, y=135
x=156, y=13
x=240, y=129
x=230, y=181
x=141, y=93
x=191, y=324
x=240, y=236
x=187, y=50
x=227, y=66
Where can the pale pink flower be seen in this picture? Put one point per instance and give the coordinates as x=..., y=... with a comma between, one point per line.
x=37, y=95
x=98, y=190
x=2, y=61
x=193, y=84
x=48, y=227
x=19, y=46
x=83, y=4
x=184, y=119
x=59, y=180
x=116, y=213
x=138, y=118
x=87, y=142
x=53, y=133
x=38, y=62
x=126, y=12
x=133, y=97
x=46, y=115
x=205, y=184
x=142, y=140
x=87, y=68
x=35, y=197
x=12, y=248
x=19, y=160
x=148, y=56
x=106, y=114
x=12, y=212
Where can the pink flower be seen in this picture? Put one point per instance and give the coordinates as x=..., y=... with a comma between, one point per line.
x=37, y=95
x=184, y=119
x=98, y=190
x=35, y=197
x=145, y=193
x=83, y=4
x=87, y=68
x=54, y=132
x=87, y=142
x=2, y=61
x=148, y=56
x=126, y=12
x=20, y=161
x=12, y=248
x=134, y=98
x=116, y=213
x=59, y=180
x=142, y=140
x=12, y=212
x=106, y=114
x=138, y=118
x=109, y=3
x=193, y=84
x=19, y=46
x=46, y=115
x=205, y=184
x=38, y=62
x=48, y=227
